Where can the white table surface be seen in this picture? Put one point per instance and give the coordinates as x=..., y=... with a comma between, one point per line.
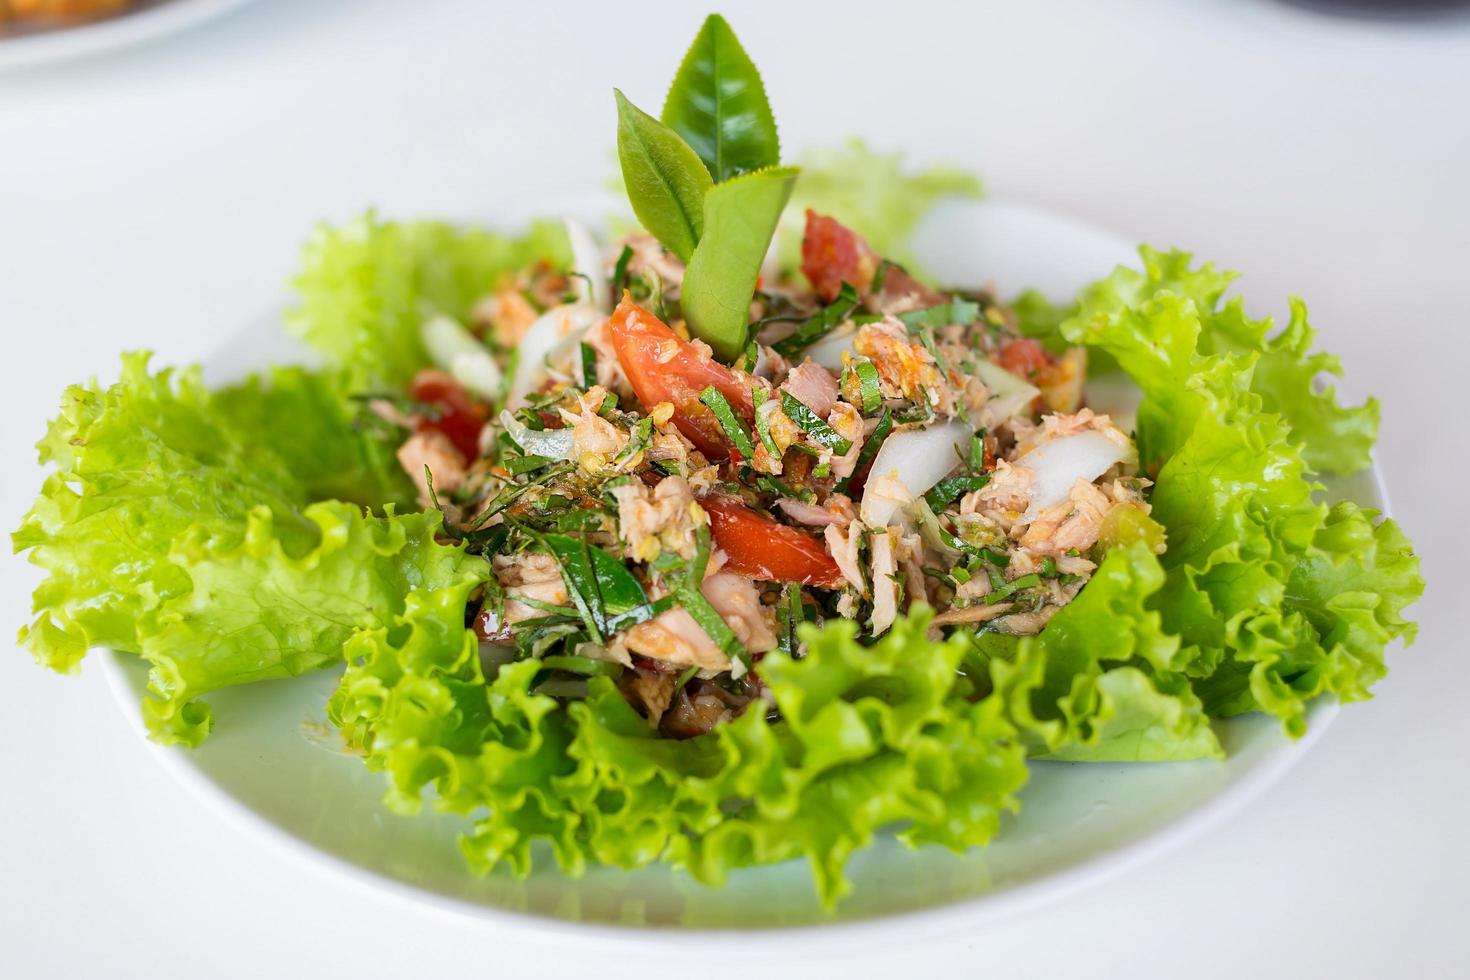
x=156, y=198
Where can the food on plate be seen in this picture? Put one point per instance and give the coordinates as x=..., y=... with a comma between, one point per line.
x=731, y=538
x=31, y=12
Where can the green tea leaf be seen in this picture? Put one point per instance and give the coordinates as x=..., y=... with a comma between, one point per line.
x=666, y=179
x=740, y=217
x=718, y=104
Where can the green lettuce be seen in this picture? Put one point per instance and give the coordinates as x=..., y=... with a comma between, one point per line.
x=1106, y=679
x=366, y=286
x=177, y=526
x=1275, y=597
x=1284, y=370
x=869, y=192
x=869, y=737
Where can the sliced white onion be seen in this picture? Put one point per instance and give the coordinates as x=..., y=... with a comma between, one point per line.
x=454, y=349
x=1056, y=466
x=556, y=330
x=907, y=465
x=551, y=443
x=1009, y=394
x=587, y=261
x=829, y=350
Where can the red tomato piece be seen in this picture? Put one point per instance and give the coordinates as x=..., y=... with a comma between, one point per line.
x=460, y=417
x=832, y=254
x=662, y=367
x=1024, y=357
x=763, y=549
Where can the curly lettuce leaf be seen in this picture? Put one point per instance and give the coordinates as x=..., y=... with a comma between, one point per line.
x=1333, y=438
x=365, y=287
x=870, y=192
x=870, y=737
x=1107, y=681
x=305, y=421
x=1253, y=562
x=174, y=529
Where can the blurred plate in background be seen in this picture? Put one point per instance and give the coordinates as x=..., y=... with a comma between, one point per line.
x=23, y=44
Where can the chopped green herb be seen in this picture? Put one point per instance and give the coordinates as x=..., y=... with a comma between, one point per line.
x=819, y=430
x=525, y=464
x=768, y=483
x=604, y=592
x=429, y=483
x=866, y=373
x=879, y=274
x=640, y=439
x=759, y=396
x=955, y=312
x=583, y=665
x=589, y=366
x=620, y=272
x=735, y=429
x=1049, y=567
x=976, y=459
x=870, y=448
x=789, y=615
x=935, y=573
x=1010, y=588
x=819, y=324
x=949, y=490
x=694, y=602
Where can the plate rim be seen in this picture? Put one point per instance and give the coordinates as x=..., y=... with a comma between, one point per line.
x=983, y=910
x=118, y=32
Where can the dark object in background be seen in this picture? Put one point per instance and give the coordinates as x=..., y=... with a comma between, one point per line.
x=1385, y=9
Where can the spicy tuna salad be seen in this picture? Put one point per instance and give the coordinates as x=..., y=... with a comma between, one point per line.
x=723, y=534
x=652, y=512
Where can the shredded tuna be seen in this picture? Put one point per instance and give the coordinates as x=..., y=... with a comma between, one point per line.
x=433, y=450
x=675, y=638
x=689, y=717
x=911, y=561
x=847, y=422
x=735, y=598
x=506, y=315
x=662, y=518
x=1005, y=498
x=1026, y=623
x=812, y=385
x=812, y=514
x=595, y=440
x=978, y=613
x=905, y=368
x=529, y=576
x=1072, y=524
x=842, y=545
x=885, y=589
x=651, y=691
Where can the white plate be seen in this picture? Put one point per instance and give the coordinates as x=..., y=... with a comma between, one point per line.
x=149, y=21
x=272, y=764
